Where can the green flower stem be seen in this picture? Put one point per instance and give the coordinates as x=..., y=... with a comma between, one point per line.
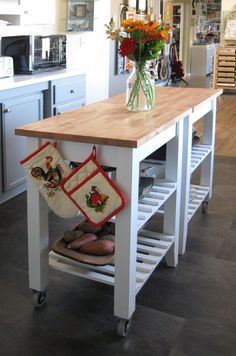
x=147, y=87
x=142, y=83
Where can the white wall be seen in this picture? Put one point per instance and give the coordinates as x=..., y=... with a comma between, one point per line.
x=117, y=83
x=89, y=51
x=227, y=5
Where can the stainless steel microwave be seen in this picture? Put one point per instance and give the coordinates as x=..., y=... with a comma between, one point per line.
x=33, y=54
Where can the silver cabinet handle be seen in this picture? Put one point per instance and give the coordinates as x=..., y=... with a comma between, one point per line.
x=72, y=91
x=7, y=110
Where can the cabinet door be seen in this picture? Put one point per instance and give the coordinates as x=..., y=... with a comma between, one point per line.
x=10, y=11
x=38, y=12
x=17, y=112
x=9, y=7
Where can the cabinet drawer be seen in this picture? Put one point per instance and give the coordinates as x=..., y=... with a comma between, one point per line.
x=59, y=109
x=69, y=90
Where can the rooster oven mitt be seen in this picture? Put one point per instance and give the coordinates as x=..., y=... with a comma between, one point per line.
x=47, y=169
x=93, y=192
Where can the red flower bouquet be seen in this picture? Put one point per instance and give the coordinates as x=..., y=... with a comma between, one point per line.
x=140, y=41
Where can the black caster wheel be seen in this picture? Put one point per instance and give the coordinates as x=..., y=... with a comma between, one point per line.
x=204, y=207
x=123, y=327
x=39, y=298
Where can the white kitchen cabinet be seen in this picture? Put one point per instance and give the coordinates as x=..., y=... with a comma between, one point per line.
x=202, y=59
x=28, y=12
x=10, y=11
x=38, y=12
x=10, y=7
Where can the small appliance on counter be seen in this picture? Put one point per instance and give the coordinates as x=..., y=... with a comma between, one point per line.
x=34, y=54
x=6, y=67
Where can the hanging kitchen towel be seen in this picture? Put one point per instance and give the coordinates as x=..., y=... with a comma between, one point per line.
x=47, y=169
x=93, y=192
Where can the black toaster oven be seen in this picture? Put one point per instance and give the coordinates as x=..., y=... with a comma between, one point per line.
x=33, y=54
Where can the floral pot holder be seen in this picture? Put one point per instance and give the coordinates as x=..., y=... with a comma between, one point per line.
x=47, y=169
x=93, y=192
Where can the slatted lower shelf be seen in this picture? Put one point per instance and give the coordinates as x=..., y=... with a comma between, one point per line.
x=200, y=193
x=198, y=154
x=151, y=248
x=154, y=200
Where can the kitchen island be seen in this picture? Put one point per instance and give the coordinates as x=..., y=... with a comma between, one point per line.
x=122, y=140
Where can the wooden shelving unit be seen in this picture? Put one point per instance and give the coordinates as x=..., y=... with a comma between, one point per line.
x=225, y=68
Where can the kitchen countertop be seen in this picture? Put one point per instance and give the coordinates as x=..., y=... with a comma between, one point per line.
x=109, y=123
x=20, y=80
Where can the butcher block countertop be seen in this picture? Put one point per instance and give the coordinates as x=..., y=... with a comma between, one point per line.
x=109, y=123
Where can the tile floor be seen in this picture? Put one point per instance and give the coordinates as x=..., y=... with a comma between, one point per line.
x=186, y=311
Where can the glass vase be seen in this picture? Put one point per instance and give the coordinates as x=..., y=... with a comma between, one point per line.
x=140, y=90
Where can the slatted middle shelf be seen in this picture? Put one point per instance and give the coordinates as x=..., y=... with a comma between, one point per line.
x=198, y=154
x=151, y=249
x=153, y=201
